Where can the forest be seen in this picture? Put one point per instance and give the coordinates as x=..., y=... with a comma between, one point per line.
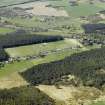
x=88, y=68
x=24, y=96
x=94, y=28
x=3, y=55
x=18, y=40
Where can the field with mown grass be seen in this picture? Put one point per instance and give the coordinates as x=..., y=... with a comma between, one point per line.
x=4, y=30
x=99, y=103
x=36, y=49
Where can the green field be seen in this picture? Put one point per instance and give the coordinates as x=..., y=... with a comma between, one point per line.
x=14, y=67
x=44, y=47
x=99, y=103
x=6, y=30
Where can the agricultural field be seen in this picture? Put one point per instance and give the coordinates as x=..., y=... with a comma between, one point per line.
x=4, y=31
x=16, y=66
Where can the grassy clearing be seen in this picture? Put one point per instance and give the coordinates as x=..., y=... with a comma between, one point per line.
x=11, y=81
x=61, y=95
x=61, y=49
x=16, y=66
x=6, y=30
x=55, y=56
x=99, y=103
x=84, y=9
x=61, y=55
x=39, y=48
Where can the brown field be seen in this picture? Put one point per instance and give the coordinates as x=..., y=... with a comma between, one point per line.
x=61, y=95
x=13, y=80
x=70, y=95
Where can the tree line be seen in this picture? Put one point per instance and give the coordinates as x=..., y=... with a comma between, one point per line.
x=13, y=40
x=19, y=40
x=3, y=55
x=24, y=96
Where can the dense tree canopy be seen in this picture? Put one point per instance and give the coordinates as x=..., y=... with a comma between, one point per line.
x=18, y=40
x=24, y=96
x=88, y=66
x=3, y=55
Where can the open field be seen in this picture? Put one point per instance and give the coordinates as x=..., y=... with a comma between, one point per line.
x=5, y=30
x=12, y=80
x=70, y=95
x=44, y=47
x=99, y=103
x=62, y=95
x=14, y=67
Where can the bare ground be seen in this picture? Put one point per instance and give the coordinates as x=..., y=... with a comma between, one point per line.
x=13, y=80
